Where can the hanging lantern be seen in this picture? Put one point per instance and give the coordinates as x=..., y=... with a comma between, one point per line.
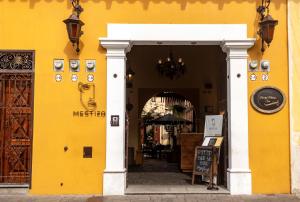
x=74, y=24
x=266, y=25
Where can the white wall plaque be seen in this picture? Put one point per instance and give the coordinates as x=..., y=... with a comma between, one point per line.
x=58, y=77
x=253, y=77
x=90, y=78
x=213, y=125
x=265, y=77
x=74, y=77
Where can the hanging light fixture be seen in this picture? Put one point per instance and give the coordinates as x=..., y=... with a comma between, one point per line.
x=74, y=24
x=129, y=76
x=170, y=67
x=266, y=25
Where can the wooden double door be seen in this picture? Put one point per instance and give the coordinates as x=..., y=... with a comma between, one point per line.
x=16, y=123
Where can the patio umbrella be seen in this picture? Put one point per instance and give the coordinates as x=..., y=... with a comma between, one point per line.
x=168, y=119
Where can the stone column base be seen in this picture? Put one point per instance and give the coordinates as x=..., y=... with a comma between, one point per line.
x=114, y=183
x=239, y=182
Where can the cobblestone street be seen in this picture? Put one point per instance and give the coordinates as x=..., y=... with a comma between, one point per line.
x=152, y=198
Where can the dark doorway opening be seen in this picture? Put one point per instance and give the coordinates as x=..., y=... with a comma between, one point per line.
x=203, y=84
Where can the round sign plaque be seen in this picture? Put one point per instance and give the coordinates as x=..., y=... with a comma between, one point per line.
x=268, y=99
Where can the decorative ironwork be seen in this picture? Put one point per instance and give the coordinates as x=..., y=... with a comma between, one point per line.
x=16, y=60
x=16, y=103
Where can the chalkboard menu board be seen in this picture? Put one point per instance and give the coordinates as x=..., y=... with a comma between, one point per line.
x=203, y=160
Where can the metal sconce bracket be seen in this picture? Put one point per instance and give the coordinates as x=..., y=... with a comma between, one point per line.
x=77, y=8
x=263, y=8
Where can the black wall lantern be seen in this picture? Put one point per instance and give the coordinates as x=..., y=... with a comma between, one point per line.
x=74, y=24
x=266, y=25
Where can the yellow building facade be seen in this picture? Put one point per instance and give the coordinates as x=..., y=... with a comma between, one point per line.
x=60, y=134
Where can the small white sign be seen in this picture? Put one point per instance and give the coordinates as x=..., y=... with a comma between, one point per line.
x=265, y=77
x=253, y=77
x=213, y=125
x=206, y=141
x=74, y=77
x=58, y=77
x=90, y=78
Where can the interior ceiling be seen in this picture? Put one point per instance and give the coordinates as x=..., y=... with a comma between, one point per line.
x=202, y=65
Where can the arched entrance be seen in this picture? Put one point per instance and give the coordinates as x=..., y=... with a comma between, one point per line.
x=234, y=42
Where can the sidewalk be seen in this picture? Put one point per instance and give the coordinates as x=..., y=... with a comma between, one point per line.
x=152, y=198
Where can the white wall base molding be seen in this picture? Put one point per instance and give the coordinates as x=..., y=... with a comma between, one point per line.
x=295, y=162
x=237, y=186
x=114, y=182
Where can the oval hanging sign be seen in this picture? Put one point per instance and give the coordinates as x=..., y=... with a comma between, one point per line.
x=268, y=100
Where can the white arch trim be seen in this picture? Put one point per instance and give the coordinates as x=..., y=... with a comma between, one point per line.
x=233, y=40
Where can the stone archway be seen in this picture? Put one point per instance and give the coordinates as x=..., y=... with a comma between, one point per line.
x=234, y=42
x=147, y=93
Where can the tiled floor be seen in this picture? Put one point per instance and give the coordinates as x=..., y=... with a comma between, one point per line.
x=173, y=189
x=155, y=165
x=160, y=177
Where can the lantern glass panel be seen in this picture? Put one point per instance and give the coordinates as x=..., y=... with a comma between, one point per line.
x=74, y=30
x=268, y=32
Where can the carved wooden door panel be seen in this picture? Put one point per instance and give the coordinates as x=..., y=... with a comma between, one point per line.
x=16, y=107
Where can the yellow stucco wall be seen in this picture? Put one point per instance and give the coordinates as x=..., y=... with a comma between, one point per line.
x=37, y=25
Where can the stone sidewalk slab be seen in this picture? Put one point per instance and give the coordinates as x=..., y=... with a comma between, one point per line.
x=152, y=198
x=203, y=197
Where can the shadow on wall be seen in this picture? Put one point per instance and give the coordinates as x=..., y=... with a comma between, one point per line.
x=183, y=3
x=70, y=49
x=70, y=52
